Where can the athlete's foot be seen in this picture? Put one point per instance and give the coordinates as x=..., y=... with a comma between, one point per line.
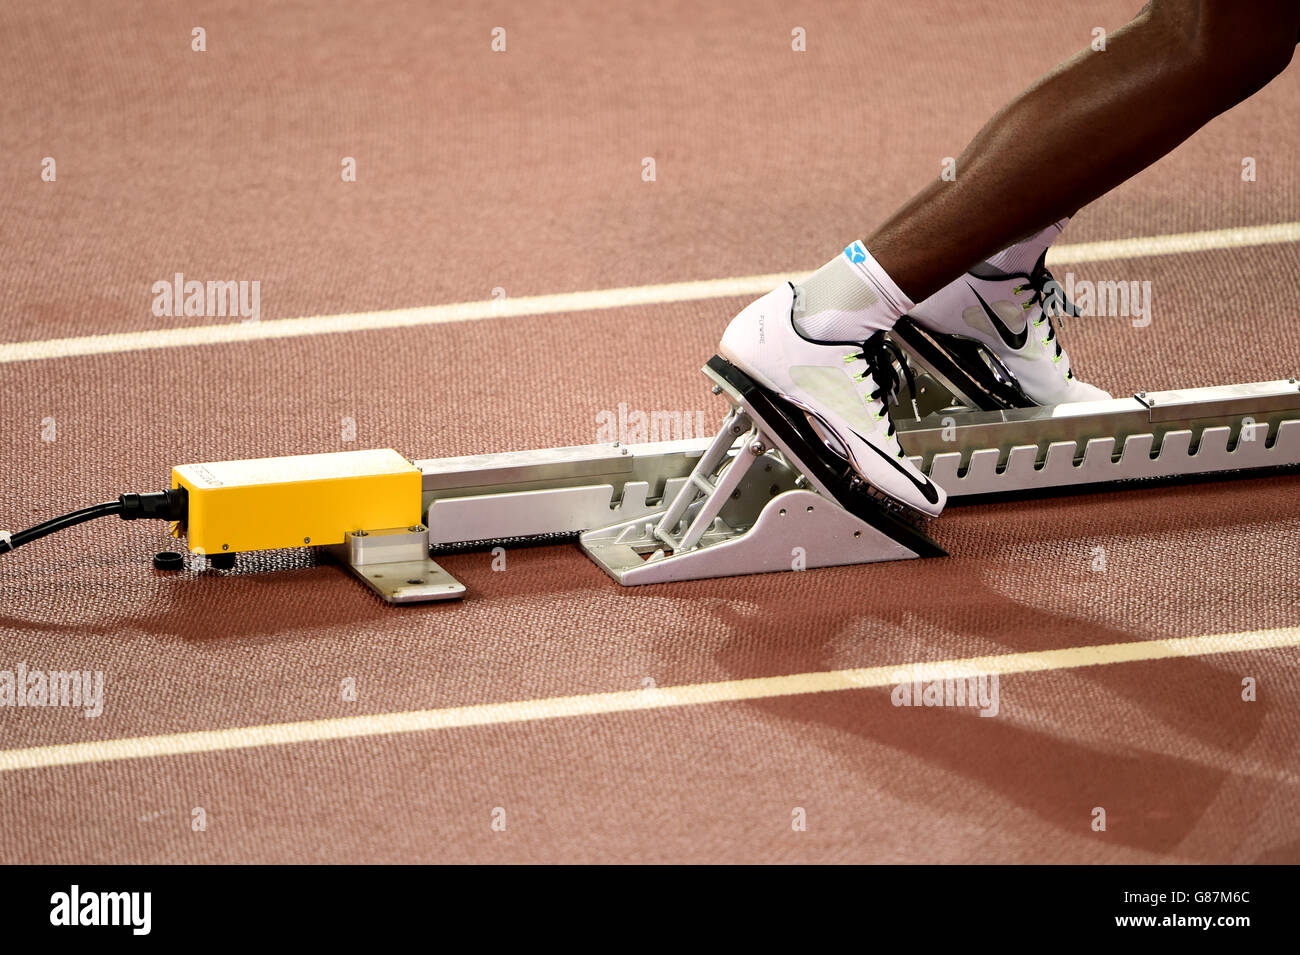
x=844, y=387
x=1015, y=315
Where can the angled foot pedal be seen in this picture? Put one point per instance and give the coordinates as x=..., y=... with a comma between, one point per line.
x=968, y=370
x=766, y=495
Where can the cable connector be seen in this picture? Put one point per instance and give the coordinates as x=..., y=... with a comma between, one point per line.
x=169, y=505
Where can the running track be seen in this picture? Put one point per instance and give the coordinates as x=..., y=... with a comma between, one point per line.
x=675, y=723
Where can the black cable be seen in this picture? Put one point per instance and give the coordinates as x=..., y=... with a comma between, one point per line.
x=59, y=523
x=170, y=505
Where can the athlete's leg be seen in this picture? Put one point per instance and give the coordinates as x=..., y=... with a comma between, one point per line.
x=1085, y=127
x=1082, y=129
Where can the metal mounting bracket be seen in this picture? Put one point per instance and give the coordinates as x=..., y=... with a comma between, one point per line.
x=395, y=564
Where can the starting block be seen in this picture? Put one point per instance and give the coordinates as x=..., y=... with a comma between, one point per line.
x=765, y=493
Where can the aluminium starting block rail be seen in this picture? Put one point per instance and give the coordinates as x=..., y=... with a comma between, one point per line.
x=764, y=494
x=631, y=505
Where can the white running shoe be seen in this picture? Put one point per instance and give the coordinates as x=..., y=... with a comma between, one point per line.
x=1004, y=311
x=843, y=387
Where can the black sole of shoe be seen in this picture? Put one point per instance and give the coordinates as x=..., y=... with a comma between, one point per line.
x=870, y=505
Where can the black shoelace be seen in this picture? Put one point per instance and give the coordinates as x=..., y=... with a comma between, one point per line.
x=884, y=360
x=1049, y=295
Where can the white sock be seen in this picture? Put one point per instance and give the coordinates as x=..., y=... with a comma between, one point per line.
x=1023, y=256
x=848, y=299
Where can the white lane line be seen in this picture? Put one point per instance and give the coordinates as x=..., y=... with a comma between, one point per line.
x=669, y=697
x=532, y=305
x=1176, y=244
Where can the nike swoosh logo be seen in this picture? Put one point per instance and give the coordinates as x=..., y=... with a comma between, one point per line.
x=1012, y=340
x=923, y=485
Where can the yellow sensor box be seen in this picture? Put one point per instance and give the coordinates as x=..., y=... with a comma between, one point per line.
x=301, y=501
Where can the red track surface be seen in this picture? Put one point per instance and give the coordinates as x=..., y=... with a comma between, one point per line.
x=522, y=170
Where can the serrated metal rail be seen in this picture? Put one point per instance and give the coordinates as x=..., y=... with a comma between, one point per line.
x=1182, y=434
x=1068, y=464
x=1176, y=434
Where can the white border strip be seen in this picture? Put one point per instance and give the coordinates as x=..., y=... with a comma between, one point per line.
x=533, y=305
x=520, y=711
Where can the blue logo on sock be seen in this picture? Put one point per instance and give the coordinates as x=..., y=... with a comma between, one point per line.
x=856, y=252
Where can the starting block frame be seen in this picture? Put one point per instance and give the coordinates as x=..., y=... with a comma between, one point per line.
x=562, y=491
x=766, y=493
x=616, y=499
